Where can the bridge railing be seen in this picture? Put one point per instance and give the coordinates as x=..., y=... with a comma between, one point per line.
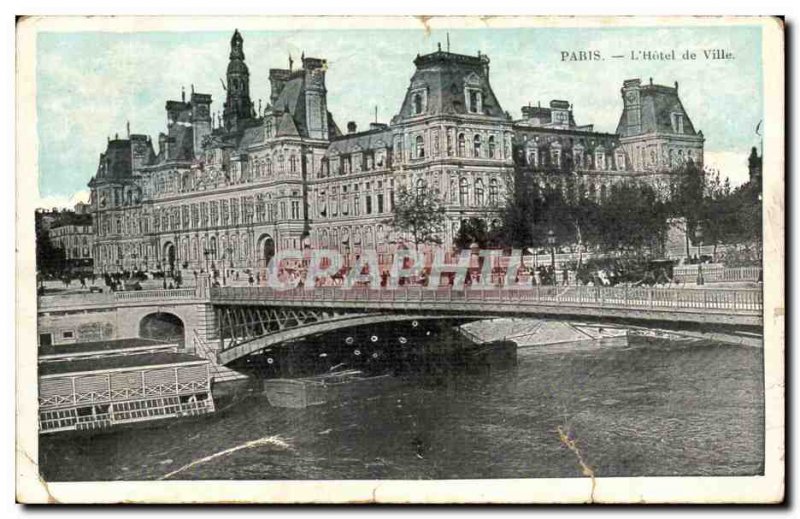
x=739, y=300
x=716, y=273
x=156, y=295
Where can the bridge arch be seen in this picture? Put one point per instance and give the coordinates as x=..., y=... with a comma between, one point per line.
x=334, y=323
x=163, y=326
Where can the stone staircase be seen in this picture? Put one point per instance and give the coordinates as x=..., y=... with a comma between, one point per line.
x=219, y=373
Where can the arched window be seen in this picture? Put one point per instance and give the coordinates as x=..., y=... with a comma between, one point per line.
x=476, y=146
x=463, y=191
x=491, y=147
x=268, y=166
x=420, y=146
x=420, y=187
x=478, y=192
x=461, y=145
x=417, y=104
x=493, y=192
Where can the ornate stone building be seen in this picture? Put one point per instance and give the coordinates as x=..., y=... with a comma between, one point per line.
x=71, y=231
x=227, y=191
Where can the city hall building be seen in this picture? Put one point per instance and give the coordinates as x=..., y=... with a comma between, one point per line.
x=227, y=191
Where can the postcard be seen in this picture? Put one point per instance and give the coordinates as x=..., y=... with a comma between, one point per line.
x=400, y=260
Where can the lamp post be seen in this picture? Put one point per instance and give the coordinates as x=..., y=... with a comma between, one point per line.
x=551, y=240
x=698, y=237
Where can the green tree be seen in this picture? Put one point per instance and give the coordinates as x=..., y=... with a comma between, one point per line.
x=476, y=230
x=687, y=197
x=419, y=214
x=51, y=261
x=631, y=219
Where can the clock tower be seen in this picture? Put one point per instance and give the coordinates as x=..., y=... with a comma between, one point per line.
x=632, y=106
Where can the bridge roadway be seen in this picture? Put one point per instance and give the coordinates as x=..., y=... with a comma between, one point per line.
x=336, y=307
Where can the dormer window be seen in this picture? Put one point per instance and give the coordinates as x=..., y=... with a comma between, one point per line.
x=419, y=101
x=677, y=123
x=474, y=101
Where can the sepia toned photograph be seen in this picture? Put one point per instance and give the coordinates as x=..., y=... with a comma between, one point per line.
x=400, y=260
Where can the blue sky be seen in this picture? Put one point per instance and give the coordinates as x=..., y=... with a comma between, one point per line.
x=89, y=84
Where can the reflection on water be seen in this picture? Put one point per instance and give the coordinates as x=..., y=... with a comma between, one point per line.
x=655, y=408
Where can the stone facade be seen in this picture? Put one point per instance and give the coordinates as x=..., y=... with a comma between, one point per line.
x=228, y=190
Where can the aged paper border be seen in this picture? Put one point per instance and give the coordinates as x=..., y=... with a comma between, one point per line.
x=30, y=488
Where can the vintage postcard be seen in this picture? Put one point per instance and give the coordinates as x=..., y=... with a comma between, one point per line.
x=400, y=260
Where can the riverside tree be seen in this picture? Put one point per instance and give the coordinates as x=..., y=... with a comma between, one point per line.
x=420, y=215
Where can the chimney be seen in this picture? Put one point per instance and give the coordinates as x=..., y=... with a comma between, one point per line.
x=351, y=127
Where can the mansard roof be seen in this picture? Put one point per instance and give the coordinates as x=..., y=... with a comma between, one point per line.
x=252, y=135
x=115, y=163
x=444, y=76
x=658, y=103
x=362, y=141
x=286, y=126
x=291, y=100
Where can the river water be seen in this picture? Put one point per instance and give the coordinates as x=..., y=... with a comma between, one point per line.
x=653, y=408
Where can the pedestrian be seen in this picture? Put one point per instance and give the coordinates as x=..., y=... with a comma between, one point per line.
x=250, y=280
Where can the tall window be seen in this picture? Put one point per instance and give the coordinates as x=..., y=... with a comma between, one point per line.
x=420, y=146
x=463, y=191
x=476, y=146
x=293, y=164
x=420, y=187
x=369, y=203
x=600, y=160
x=417, y=104
x=555, y=156
x=295, y=210
x=478, y=192
x=461, y=145
x=380, y=202
x=493, y=192
x=491, y=147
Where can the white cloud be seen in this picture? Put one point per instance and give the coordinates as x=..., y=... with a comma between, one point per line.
x=63, y=202
x=731, y=164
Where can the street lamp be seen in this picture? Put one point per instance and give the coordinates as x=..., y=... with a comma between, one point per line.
x=551, y=240
x=698, y=237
